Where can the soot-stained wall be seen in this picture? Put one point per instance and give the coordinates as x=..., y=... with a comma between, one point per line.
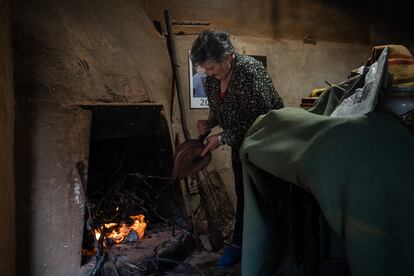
x=7, y=244
x=69, y=54
x=276, y=19
x=305, y=42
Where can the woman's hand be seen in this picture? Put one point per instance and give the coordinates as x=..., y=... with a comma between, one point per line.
x=202, y=126
x=212, y=143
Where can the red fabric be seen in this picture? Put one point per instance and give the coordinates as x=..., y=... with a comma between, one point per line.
x=395, y=61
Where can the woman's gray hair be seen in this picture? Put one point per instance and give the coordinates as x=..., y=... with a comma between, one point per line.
x=211, y=45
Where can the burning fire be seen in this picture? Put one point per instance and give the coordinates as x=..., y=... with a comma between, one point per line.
x=120, y=232
x=97, y=234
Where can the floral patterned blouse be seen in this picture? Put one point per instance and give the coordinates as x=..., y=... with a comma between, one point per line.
x=250, y=93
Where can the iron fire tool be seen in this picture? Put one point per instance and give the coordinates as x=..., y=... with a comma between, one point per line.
x=188, y=159
x=91, y=221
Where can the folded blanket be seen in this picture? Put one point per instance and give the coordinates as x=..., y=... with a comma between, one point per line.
x=400, y=63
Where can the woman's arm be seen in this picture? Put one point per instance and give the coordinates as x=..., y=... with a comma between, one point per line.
x=204, y=125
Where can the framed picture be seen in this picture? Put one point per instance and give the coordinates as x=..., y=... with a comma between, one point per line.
x=197, y=77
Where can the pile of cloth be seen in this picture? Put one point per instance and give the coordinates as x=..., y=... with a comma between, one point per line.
x=400, y=66
x=400, y=63
x=359, y=169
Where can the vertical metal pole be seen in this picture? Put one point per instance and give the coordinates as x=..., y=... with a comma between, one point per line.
x=177, y=75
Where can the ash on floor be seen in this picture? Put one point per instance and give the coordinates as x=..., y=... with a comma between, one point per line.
x=202, y=263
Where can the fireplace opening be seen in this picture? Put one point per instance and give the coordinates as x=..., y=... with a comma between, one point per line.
x=132, y=212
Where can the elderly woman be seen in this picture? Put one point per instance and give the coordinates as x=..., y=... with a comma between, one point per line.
x=238, y=89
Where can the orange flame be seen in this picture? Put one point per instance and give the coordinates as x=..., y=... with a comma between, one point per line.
x=120, y=233
x=139, y=225
x=97, y=234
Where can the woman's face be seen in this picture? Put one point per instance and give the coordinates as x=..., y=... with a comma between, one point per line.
x=218, y=70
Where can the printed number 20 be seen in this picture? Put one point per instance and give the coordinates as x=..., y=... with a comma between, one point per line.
x=203, y=102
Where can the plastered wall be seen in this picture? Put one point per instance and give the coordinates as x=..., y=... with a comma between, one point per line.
x=295, y=68
x=291, y=19
x=306, y=42
x=69, y=54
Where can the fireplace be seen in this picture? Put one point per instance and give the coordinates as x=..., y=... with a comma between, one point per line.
x=133, y=215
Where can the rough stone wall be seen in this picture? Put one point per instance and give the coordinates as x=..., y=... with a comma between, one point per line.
x=7, y=243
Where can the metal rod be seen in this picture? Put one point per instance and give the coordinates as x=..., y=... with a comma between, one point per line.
x=91, y=221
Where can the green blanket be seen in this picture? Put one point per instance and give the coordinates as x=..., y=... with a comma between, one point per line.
x=361, y=172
